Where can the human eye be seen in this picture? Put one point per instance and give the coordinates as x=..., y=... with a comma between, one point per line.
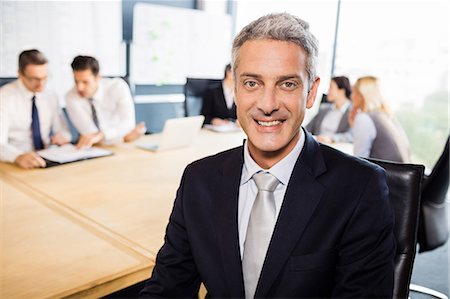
x=250, y=84
x=289, y=85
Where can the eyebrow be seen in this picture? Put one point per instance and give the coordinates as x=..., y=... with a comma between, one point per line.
x=280, y=78
x=284, y=77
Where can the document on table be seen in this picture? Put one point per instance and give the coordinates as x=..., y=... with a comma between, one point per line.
x=230, y=127
x=69, y=153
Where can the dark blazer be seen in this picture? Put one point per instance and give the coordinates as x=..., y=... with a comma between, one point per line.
x=333, y=237
x=314, y=125
x=214, y=105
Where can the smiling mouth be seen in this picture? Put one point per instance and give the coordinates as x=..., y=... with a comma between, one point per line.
x=269, y=123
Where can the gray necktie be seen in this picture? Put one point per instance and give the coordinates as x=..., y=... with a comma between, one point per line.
x=94, y=112
x=259, y=231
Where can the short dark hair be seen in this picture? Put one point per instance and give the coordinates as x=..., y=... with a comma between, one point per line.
x=32, y=56
x=82, y=63
x=342, y=82
x=227, y=69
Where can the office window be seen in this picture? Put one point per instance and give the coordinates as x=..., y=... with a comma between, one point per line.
x=406, y=45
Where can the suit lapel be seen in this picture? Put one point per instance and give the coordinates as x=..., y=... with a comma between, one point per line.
x=226, y=212
x=301, y=199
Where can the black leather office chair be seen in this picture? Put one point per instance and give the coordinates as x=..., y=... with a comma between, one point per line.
x=433, y=223
x=194, y=89
x=404, y=182
x=6, y=80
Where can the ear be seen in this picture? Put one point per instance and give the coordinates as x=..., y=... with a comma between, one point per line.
x=311, y=97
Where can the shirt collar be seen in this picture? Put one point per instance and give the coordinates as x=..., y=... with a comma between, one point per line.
x=25, y=91
x=226, y=89
x=282, y=170
x=99, y=94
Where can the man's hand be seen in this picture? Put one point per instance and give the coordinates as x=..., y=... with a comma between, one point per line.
x=219, y=121
x=59, y=139
x=137, y=132
x=30, y=160
x=324, y=139
x=88, y=140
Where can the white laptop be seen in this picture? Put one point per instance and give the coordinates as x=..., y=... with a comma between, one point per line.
x=177, y=132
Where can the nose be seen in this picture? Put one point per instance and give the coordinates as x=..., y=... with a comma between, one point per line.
x=268, y=103
x=80, y=87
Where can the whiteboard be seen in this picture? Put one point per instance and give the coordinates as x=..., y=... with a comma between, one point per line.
x=171, y=43
x=62, y=30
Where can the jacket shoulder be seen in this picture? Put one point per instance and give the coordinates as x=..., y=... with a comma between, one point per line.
x=215, y=161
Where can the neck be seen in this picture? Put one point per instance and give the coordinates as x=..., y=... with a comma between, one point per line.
x=340, y=101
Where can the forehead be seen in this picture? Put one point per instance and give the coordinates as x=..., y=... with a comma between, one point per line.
x=271, y=56
x=36, y=70
x=83, y=75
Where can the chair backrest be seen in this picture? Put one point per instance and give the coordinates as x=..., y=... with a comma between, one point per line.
x=433, y=222
x=194, y=89
x=404, y=182
x=6, y=80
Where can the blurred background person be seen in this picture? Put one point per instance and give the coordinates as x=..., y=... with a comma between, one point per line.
x=101, y=109
x=218, y=102
x=376, y=132
x=30, y=115
x=331, y=122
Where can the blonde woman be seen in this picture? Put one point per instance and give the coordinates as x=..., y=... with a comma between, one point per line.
x=376, y=133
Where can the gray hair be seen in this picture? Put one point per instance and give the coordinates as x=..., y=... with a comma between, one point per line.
x=281, y=27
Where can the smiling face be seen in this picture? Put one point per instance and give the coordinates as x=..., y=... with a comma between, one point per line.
x=271, y=92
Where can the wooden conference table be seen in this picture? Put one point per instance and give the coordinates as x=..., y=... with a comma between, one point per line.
x=87, y=229
x=90, y=228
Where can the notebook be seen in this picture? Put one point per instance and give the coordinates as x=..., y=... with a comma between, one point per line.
x=177, y=132
x=67, y=153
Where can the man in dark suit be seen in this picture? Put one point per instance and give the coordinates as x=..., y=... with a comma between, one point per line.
x=218, y=102
x=322, y=226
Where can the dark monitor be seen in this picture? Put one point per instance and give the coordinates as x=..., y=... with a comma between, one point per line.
x=194, y=89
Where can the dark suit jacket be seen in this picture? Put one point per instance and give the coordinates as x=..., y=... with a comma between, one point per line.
x=343, y=128
x=333, y=236
x=214, y=105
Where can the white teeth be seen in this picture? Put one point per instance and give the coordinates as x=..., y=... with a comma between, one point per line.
x=269, y=123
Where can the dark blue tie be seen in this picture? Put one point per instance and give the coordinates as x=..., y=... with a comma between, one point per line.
x=35, y=127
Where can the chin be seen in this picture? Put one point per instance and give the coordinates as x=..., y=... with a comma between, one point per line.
x=268, y=144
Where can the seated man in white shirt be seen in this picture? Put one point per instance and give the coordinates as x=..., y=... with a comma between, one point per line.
x=30, y=115
x=101, y=109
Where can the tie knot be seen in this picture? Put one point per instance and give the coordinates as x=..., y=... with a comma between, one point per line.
x=265, y=181
x=33, y=98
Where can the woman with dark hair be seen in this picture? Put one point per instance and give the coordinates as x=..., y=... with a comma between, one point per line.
x=331, y=122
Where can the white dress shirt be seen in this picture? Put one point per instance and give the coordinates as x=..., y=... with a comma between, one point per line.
x=228, y=95
x=15, y=119
x=114, y=107
x=364, y=133
x=332, y=119
x=248, y=190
